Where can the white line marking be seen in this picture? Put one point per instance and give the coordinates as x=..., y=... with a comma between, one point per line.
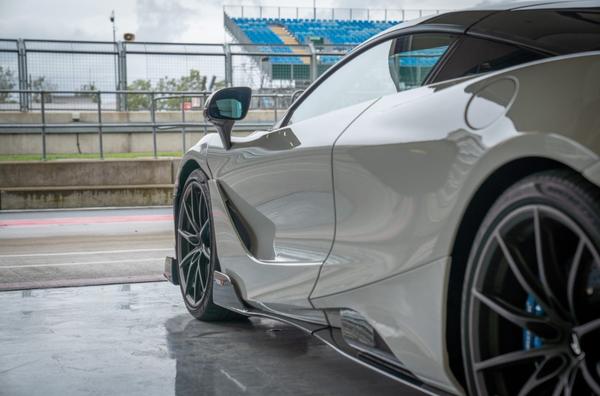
x=230, y=377
x=85, y=253
x=83, y=263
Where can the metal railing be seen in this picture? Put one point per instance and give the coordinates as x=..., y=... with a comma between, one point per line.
x=155, y=97
x=328, y=13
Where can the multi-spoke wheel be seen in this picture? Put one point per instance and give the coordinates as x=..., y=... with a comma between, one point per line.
x=531, y=312
x=195, y=250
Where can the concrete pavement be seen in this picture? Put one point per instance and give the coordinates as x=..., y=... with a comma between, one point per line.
x=40, y=249
x=139, y=340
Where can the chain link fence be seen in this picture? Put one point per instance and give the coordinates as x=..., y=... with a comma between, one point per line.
x=68, y=70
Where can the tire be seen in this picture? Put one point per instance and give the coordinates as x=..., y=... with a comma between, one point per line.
x=196, y=252
x=531, y=298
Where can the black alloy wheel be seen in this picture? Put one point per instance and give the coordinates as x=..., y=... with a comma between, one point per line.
x=196, y=256
x=531, y=304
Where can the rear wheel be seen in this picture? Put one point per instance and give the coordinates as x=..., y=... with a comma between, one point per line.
x=196, y=255
x=531, y=302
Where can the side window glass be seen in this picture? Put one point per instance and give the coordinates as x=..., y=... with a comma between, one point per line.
x=392, y=66
x=474, y=56
x=413, y=57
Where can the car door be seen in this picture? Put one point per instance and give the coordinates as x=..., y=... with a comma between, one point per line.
x=398, y=167
x=278, y=185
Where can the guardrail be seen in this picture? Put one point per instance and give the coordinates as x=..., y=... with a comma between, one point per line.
x=155, y=97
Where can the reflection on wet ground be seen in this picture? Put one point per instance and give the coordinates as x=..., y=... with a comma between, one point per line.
x=139, y=340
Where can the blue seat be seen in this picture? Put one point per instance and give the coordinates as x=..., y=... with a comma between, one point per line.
x=332, y=31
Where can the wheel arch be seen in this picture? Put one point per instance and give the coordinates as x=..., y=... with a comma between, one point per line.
x=479, y=204
x=188, y=165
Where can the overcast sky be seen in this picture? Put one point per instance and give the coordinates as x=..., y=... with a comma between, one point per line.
x=154, y=20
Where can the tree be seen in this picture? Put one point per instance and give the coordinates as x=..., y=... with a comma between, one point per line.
x=7, y=82
x=88, y=87
x=194, y=81
x=41, y=84
x=139, y=101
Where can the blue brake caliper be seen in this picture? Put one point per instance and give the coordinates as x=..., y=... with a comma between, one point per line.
x=530, y=340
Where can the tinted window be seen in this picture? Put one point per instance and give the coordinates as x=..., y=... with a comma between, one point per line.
x=562, y=31
x=389, y=67
x=474, y=56
x=412, y=58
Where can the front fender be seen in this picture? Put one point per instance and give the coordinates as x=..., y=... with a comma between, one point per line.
x=195, y=158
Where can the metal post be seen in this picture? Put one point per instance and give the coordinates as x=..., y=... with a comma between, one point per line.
x=350, y=13
x=313, y=61
x=100, y=145
x=275, y=103
x=403, y=15
x=122, y=72
x=278, y=12
x=332, y=13
x=296, y=12
x=420, y=13
x=260, y=11
x=115, y=48
x=203, y=103
x=183, y=124
x=153, y=118
x=368, y=15
x=242, y=11
x=43, y=125
x=228, y=65
x=22, y=71
x=385, y=14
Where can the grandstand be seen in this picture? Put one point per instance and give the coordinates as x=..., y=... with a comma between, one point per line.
x=300, y=31
x=281, y=36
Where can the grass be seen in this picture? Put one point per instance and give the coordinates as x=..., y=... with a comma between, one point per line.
x=38, y=157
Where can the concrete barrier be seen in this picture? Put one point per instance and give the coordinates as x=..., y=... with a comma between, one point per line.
x=92, y=183
x=85, y=197
x=65, y=173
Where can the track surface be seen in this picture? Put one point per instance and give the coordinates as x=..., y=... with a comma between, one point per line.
x=138, y=339
x=40, y=249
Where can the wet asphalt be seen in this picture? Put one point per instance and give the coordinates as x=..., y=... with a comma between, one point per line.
x=111, y=335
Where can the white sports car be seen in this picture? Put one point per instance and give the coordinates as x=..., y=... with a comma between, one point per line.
x=430, y=206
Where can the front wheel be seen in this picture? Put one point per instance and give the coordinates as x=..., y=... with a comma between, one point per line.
x=196, y=253
x=531, y=301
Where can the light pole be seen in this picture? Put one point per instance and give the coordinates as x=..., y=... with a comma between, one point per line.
x=116, y=49
x=314, y=9
x=114, y=29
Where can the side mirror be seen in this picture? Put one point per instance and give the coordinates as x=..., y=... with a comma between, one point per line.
x=226, y=106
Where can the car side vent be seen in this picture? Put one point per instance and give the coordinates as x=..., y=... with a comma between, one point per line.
x=355, y=329
x=360, y=335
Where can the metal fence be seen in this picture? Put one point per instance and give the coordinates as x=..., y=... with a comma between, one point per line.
x=83, y=66
x=181, y=111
